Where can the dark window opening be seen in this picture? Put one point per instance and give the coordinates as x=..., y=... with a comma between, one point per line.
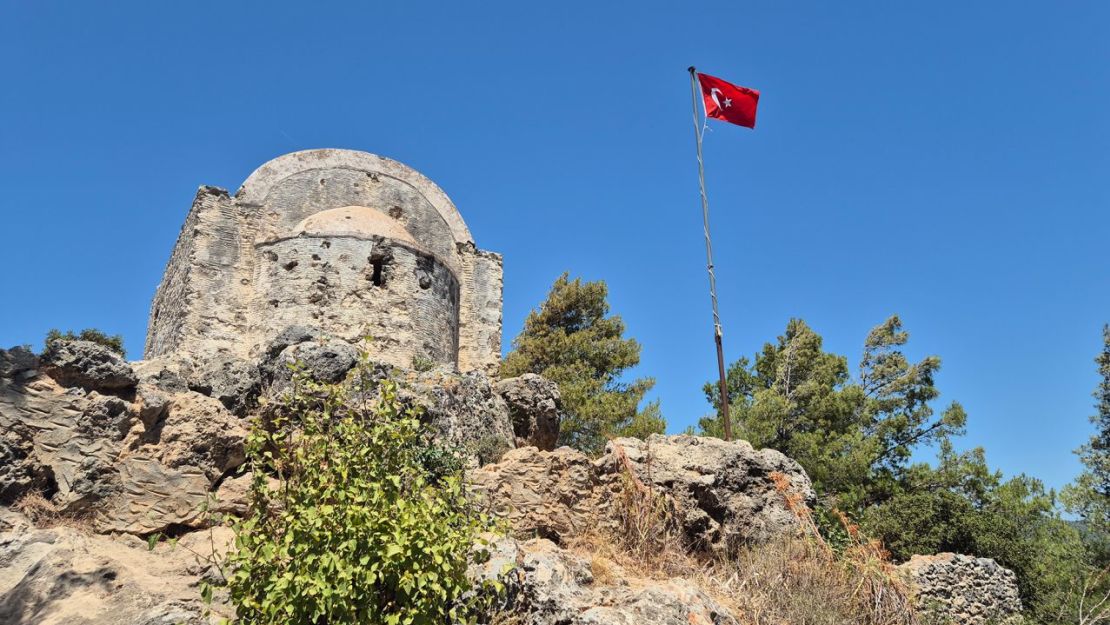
x=376, y=276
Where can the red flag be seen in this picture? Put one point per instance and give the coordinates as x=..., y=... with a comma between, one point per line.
x=728, y=102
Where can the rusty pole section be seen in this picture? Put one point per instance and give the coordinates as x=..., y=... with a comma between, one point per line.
x=709, y=259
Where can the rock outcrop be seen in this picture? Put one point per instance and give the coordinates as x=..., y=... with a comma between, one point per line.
x=137, y=462
x=964, y=589
x=86, y=364
x=17, y=360
x=64, y=575
x=535, y=408
x=141, y=447
x=548, y=585
x=724, y=494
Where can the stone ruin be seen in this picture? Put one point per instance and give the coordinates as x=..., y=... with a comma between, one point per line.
x=318, y=250
x=350, y=243
x=955, y=588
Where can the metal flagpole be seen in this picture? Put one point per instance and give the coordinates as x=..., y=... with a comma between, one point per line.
x=709, y=259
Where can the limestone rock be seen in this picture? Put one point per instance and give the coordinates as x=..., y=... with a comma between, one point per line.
x=233, y=381
x=552, y=494
x=724, y=493
x=552, y=586
x=16, y=361
x=164, y=374
x=293, y=335
x=964, y=589
x=463, y=410
x=88, y=365
x=231, y=496
x=20, y=470
x=134, y=466
x=153, y=497
x=197, y=431
x=61, y=576
x=60, y=440
x=535, y=408
x=327, y=361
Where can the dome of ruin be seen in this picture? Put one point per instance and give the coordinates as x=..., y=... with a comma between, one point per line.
x=356, y=221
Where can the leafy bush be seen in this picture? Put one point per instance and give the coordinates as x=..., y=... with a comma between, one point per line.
x=490, y=449
x=365, y=525
x=114, y=342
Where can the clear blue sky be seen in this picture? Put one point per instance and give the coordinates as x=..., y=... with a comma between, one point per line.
x=946, y=161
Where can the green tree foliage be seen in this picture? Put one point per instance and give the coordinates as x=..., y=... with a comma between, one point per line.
x=573, y=340
x=1089, y=496
x=961, y=506
x=114, y=342
x=368, y=523
x=854, y=437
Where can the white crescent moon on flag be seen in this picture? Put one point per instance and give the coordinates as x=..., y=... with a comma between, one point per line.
x=713, y=94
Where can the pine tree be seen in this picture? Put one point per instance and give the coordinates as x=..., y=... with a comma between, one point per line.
x=1089, y=496
x=573, y=340
x=853, y=437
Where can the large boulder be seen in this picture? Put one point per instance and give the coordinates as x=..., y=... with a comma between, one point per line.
x=547, y=585
x=232, y=381
x=722, y=494
x=89, y=365
x=16, y=361
x=463, y=411
x=725, y=493
x=535, y=408
x=964, y=589
x=324, y=361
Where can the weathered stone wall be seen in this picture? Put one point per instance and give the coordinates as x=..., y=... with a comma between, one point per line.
x=200, y=268
x=403, y=298
x=480, y=316
x=964, y=589
x=217, y=296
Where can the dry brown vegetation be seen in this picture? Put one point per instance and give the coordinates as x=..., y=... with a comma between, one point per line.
x=798, y=580
x=44, y=514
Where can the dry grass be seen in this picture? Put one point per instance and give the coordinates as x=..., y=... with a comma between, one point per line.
x=798, y=580
x=44, y=514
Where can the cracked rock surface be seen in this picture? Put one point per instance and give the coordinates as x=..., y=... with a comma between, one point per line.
x=724, y=494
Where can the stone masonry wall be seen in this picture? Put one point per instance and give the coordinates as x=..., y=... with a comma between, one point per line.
x=202, y=298
x=964, y=589
x=211, y=304
x=403, y=298
x=480, y=315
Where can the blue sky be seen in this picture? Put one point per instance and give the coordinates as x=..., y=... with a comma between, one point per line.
x=945, y=161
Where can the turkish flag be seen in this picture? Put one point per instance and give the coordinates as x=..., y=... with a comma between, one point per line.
x=728, y=102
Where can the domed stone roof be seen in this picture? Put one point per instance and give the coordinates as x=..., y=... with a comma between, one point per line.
x=358, y=221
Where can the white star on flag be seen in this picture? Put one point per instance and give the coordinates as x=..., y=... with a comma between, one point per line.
x=728, y=102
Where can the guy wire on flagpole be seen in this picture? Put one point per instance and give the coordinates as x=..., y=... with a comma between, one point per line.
x=709, y=260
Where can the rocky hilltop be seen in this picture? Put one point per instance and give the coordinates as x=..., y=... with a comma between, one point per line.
x=110, y=470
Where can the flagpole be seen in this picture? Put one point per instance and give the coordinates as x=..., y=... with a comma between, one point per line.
x=709, y=260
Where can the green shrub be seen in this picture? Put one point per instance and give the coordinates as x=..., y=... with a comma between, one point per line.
x=114, y=342
x=490, y=449
x=365, y=525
